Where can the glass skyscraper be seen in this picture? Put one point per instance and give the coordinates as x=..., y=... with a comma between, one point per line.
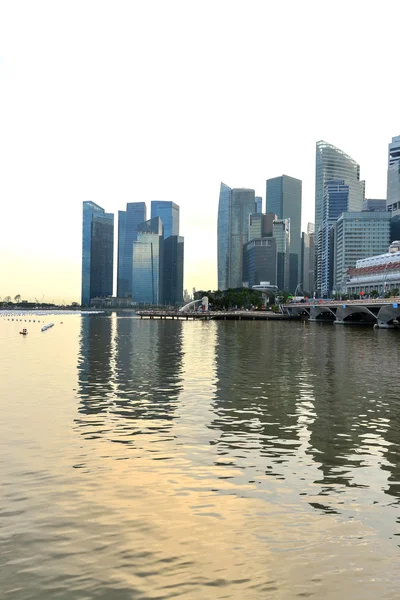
x=283, y=197
x=97, y=252
x=281, y=233
x=393, y=177
x=234, y=209
x=173, y=270
x=333, y=164
x=258, y=204
x=128, y=222
x=148, y=263
x=169, y=215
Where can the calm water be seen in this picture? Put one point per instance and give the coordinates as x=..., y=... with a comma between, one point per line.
x=153, y=459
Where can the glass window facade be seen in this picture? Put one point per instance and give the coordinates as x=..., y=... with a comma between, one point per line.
x=333, y=164
x=284, y=198
x=223, y=237
x=393, y=176
x=128, y=222
x=260, y=261
x=169, y=215
x=148, y=263
x=258, y=204
x=97, y=252
x=359, y=235
x=173, y=270
x=281, y=233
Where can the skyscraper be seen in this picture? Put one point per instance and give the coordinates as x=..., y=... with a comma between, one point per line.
x=258, y=204
x=281, y=233
x=393, y=177
x=173, y=270
x=128, y=222
x=97, y=252
x=283, y=197
x=169, y=215
x=148, y=263
x=260, y=261
x=333, y=164
x=235, y=207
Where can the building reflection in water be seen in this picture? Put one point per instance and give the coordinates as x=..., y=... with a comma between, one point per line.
x=308, y=401
x=129, y=376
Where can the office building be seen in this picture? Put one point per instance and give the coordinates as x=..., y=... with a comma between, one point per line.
x=308, y=260
x=148, y=263
x=97, y=252
x=258, y=204
x=393, y=177
x=333, y=164
x=283, y=197
x=335, y=202
x=169, y=215
x=260, y=225
x=260, y=261
x=358, y=235
x=281, y=233
x=374, y=204
x=380, y=273
x=173, y=270
x=128, y=222
x=235, y=207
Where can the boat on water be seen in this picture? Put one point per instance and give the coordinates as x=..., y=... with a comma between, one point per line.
x=24, y=331
x=47, y=326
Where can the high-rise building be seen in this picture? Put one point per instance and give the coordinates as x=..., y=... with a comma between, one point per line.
x=393, y=176
x=260, y=261
x=333, y=164
x=308, y=259
x=260, y=225
x=97, y=252
x=258, y=204
x=281, y=233
x=173, y=270
x=374, y=204
x=169, y=215
x=358, y=235
x=335, y=202
x=128, y=222
x=235, y=207
x=148, y=263
x=283, y=197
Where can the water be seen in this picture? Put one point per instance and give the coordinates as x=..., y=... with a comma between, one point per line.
x=196, y=460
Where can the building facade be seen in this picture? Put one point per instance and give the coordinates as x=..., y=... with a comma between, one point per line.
x=173, y=270
x=169, y=215
x=148, y=263
x=260, y=261
x=393, y=177
x=128, y=222
x=97, y=252
x=374, y=204
x=358, y=235
x=284, y=198
x=308, y=260
x=333, y=164
x=380, y=273
x=281, y=233
x=234, y=209
x=258, y=204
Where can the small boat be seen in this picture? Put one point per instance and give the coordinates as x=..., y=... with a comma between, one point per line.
x=47, y=326
x=23, y=332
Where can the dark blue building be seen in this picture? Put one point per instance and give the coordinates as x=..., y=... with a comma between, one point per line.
x=173, y=270
x=128, y=222
x=97, y=252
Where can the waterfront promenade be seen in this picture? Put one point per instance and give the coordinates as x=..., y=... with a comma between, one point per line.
x=208, y=315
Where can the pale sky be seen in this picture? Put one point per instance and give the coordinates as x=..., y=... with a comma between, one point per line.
x=122, y=101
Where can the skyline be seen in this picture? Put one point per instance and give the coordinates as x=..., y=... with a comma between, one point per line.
x=145, y=116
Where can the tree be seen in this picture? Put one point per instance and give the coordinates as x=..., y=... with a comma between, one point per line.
x=374, y=294
x=17, y=298
x=7, y=299
x=395, y=292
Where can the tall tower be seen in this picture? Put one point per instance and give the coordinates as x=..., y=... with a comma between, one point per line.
x=283, y=198
x=393, y=177
x=128, y=222
x=333, y=164
x=97, y=252
x=169, y=215
x=235, y=207
x=148, y=263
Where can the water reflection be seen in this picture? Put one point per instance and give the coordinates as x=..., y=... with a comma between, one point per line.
x=130, y=376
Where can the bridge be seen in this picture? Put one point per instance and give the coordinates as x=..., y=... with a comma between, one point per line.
x=383, y=313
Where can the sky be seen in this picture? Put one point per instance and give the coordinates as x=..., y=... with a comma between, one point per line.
x=132, y=101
